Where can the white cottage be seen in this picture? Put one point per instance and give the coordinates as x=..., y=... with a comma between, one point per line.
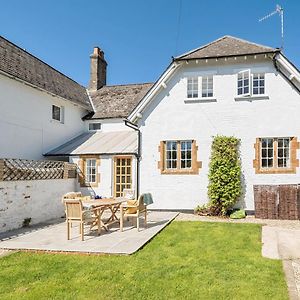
x=157, y=137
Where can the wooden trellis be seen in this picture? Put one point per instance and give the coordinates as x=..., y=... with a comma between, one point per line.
x=23, y=169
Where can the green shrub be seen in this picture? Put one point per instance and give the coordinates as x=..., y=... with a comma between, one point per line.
x=238, y=214
x=224, y=176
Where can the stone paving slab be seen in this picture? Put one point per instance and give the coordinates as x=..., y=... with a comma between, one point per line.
x=54, y=237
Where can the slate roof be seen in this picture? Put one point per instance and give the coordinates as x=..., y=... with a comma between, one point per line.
x=23, y=65
x=226, y=46
x=117, y=101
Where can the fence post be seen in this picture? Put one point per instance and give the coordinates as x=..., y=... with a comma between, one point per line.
x=1, y=169
x=66, y=170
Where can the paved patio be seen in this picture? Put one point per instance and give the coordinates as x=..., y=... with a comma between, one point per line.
x=52, y=237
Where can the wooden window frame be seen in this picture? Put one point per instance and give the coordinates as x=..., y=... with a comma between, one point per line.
x=196, y=165
x=294, y=162
x=82, y=166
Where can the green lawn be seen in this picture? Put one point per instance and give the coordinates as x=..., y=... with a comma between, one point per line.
x=187, y=260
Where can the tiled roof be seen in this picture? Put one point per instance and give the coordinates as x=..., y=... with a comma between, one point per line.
x=23, y=65
x=117, y=101
x=226, y=46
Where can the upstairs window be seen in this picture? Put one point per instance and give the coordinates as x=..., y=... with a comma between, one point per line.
x=250, y=84
x=244, y=83
x=207, y=86
x=94, y=126
x=200, y=87
x=58, y=113
x=192, y=87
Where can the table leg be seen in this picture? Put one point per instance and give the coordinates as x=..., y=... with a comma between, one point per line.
x=121, y=218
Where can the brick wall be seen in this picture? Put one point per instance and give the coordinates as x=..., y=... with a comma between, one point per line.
x=39, y=200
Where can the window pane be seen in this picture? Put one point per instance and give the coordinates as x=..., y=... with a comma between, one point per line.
x=91, y=170
x=185, y=154
x=192, y=87
x=243, y=83
x=258, y=84
x=94, y=126
x=283, y=152
x=55, y=112
x=207, y=86
x=171, y=155
x=267, y=152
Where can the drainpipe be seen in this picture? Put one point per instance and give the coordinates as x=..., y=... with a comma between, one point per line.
x=137, y=155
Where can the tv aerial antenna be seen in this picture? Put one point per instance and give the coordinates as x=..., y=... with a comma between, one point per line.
x=279, y=11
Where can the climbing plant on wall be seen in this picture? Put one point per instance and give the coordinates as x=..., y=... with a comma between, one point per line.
x=224, y=186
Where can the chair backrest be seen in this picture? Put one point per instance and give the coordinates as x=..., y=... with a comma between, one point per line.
x=73, y=209
x=128, y=194
x=140, y=202
x=71, y=195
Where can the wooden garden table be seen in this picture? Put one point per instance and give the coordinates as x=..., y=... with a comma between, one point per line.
x=110, y=204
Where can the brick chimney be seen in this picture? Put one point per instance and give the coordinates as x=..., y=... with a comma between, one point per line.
x=98, y=70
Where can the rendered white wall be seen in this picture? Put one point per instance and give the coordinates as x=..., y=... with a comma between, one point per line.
x=169, y=117
x=39, y=200
x=108, y=125
x=26, y=128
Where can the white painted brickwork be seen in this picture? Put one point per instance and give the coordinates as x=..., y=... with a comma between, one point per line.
x=169, y=117
x=39, y=200
x=27, y=128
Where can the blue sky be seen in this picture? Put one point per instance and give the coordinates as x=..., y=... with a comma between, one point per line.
x=139, y=36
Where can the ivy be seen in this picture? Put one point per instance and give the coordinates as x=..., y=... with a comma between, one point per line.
x=224, y=176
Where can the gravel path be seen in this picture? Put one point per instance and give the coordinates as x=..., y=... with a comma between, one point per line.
x=296, y=267
x=287, y=224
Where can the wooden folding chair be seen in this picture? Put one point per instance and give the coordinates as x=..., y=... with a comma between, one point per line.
x=76, y=213
x=133, y=209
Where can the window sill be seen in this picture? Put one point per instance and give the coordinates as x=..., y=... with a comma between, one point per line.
x=180, y=172
x=276, y=171
x=56, y=121
x=200, y=100
x=251, y=98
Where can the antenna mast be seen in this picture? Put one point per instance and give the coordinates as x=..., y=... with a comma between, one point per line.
x=279, y=11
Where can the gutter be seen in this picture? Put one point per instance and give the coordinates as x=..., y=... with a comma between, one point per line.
x=225, y=56
x=98, y=153
x=138, y=154
x=275, y=62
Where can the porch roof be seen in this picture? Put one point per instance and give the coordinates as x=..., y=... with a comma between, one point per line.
x=118, y=142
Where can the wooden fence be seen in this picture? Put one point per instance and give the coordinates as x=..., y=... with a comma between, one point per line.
x=277, y=201
x=23, y=169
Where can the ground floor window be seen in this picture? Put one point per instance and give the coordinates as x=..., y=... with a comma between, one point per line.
x=276, y=155
x=179, y=156
x=122, y=175
x=88, y=170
